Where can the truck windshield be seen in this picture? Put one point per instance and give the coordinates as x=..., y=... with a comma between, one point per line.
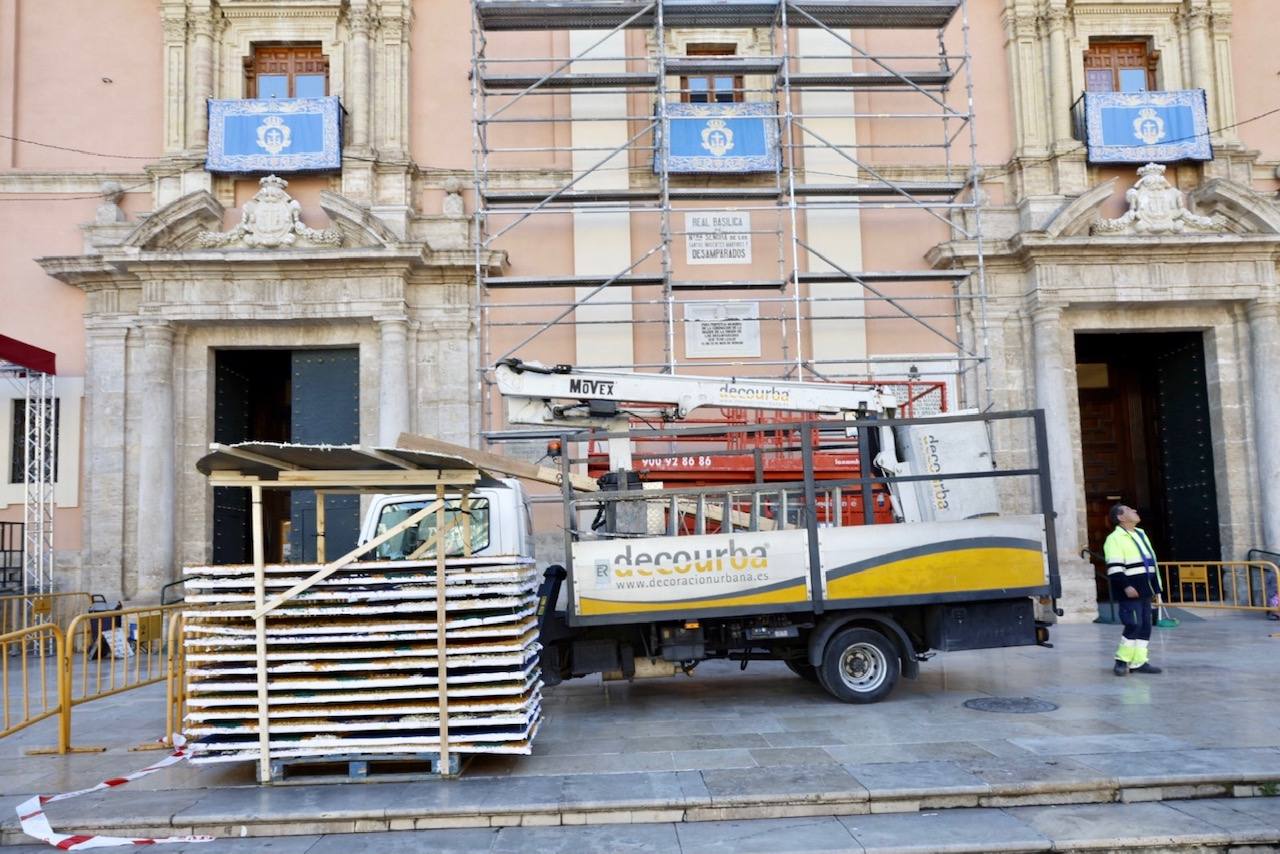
x=411, y=541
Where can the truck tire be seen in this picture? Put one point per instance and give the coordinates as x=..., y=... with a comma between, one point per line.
x=859, y=666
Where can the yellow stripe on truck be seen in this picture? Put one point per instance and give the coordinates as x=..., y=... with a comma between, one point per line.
x=589, y=607
x=944, y=572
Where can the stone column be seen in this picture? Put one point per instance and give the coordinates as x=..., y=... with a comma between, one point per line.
x=1059, y=76
x=1264, y=331
x=201, y=81
x=394, y=392
x=104, y=442
x=1051, y=396
x=157, y=481
x=358, y=88
x=1202, y=58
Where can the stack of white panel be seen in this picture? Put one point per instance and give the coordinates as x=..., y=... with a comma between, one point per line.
x=352, y=662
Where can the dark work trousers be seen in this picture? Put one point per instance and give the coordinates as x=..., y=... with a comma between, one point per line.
x=1136, y=616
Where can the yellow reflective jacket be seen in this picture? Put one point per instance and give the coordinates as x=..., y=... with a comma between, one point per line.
x=1126, y=567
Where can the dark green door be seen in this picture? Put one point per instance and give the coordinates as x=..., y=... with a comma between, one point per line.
x=1190, y=505
x=325, y=410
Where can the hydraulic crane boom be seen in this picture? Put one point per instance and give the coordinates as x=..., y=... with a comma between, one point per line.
x=572, y=397
x=576, y=397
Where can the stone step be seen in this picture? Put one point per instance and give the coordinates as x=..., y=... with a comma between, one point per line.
x=683, y=797
x=1235, y=825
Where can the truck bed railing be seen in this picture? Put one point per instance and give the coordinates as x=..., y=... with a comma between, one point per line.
x=656, y=509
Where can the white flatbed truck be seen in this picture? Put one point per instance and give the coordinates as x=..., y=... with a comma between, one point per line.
x=666, y=578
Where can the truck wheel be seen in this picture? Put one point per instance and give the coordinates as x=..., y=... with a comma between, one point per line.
x=803, y=669
x=859, y=666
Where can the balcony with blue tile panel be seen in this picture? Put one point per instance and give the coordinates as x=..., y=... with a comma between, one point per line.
x=1144, y=127
x=277, y=135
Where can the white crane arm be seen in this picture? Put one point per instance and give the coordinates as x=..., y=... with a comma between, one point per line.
x=568, y=396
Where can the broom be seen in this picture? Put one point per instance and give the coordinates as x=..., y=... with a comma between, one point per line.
x=1163, y=620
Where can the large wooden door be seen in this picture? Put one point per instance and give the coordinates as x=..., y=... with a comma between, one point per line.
x=1145, y=440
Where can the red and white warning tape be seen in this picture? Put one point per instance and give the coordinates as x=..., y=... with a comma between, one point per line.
x=36, y=823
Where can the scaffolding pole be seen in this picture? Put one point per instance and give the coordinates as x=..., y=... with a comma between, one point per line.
x=514, y=95
x=38, y=427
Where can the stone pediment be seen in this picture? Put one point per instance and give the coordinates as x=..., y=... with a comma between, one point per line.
x=1156, y=209
x=177, y=223
x=1242, y=209
x=271, y=221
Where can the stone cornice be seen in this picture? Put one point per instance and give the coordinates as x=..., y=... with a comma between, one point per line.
x=1117, y=9
x=131, y=268
x=77, y=183
x=1029, y=248
x=87, y=272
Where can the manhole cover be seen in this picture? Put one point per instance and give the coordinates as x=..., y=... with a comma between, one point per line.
x=1010, y=705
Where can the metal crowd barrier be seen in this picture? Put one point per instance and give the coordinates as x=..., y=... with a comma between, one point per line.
x=31, y=662
x=1244, y=585
x=99, y=654
x=113, y=651
x=175, y=683
x=21, y=610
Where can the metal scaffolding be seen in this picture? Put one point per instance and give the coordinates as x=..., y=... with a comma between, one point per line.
x=929, y=91
x=38, y=426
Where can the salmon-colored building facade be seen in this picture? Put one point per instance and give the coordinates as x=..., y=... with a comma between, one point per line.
x=928, y=194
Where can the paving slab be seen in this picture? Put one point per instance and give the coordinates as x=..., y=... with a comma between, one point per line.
x=934, y=751
x=784, y=783
x=1188, y=766
x=623, y=791
x=453, y=841
x=288, y=803
x=944, y=831
x=917, y=779
x=1234, y=815
x=1069, y=745
x=1037, y=775
x=1136, y=825
x=765, y=836
x=770, y=756
x=598, y=839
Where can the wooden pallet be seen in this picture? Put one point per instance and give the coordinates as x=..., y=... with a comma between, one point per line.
x=358, y=768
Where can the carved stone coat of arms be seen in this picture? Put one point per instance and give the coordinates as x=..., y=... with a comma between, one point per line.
x=271, y=219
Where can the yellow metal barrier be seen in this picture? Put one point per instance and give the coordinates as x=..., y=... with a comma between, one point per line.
x=1243, y=585
x=30, y=668
x=113, y=651
x=175, y=685
x=21, y=610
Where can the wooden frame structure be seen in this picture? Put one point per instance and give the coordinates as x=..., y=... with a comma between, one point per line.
x=434, y=467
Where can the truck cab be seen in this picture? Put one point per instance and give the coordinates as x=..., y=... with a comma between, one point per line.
x=500, y=522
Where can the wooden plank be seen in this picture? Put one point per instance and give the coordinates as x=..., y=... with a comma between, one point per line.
x=319, y=527
x=423, y=477
x=495, y=463
x=442, y=647
x=250, y=456
x=390, y=459
x=348, y=481
x=348, y=558
x=260, y=638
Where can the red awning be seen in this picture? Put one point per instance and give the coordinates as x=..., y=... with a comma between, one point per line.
x=29, y=357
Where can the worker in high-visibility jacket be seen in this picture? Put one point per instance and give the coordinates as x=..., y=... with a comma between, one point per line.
x=1135, y=584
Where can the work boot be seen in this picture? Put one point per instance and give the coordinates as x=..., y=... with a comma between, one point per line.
x=1121, y=668
x=1147, y=668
